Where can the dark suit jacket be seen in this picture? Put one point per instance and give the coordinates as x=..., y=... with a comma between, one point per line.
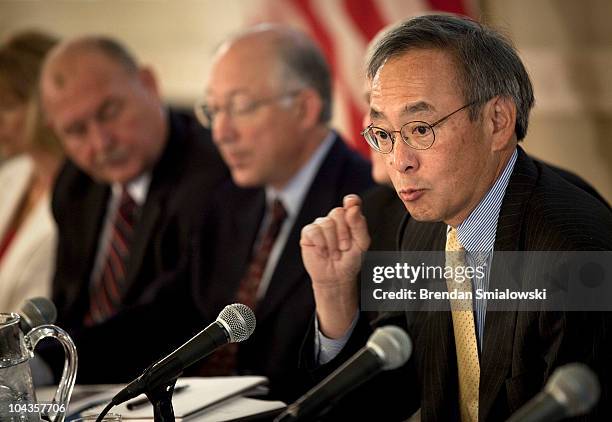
x=540, y=212
x=285, y=311
x=577, y=181
x=181, y=185
x=384, y=210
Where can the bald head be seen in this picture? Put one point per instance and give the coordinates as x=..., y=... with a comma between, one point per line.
x=296, y=60
x=67, y=57
x=104, y=107
x=267, y=102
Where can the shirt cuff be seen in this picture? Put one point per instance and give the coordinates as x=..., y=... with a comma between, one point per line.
x=326, y=348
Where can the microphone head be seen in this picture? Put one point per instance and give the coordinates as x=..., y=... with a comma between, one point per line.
x=238, y=320
x=575, y=387
x=392, y=345
x=37, y=311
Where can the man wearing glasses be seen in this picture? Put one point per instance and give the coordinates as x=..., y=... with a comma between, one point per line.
x=450, y=101
x=268, y=104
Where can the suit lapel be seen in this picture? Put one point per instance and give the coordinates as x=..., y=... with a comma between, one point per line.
x=147, y=226
x=290, y=271
x=322, y=196
x=236, y=229
x=87, y=224
x=244, y=225
x=163, y=180
x=500, y=326
x=432, y=331
x=151, y=212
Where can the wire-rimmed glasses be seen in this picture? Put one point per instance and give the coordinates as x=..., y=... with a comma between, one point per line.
x=238, y=105
x=416, y=134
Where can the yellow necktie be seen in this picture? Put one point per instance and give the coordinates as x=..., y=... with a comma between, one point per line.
x=465, y=333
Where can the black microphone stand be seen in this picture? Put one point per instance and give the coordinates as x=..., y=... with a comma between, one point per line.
x=159, y=387
x=161, y=400
x=160, y=397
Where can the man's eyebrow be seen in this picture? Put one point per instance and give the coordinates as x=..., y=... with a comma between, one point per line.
x=418, y=107
x=232, y=93
x=409, y=109
x=375, y=114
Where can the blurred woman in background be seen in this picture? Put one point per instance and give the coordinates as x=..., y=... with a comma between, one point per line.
x=32, y=156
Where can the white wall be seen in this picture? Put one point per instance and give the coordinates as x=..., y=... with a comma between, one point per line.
x=567, y=48
x=177, y=37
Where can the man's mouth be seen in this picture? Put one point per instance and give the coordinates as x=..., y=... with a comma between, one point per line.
x=114, y=158
x=236, y=159
x=409, y=195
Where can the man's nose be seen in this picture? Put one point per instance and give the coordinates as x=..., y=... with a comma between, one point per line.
x=223, y=127
x=405, y=158
x=100, y=137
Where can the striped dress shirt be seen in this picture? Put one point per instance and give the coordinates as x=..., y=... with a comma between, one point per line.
x=477, y=235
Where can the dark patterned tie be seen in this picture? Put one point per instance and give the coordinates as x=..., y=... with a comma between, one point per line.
x=249, y=285
x=223, y=362
x=107, y=292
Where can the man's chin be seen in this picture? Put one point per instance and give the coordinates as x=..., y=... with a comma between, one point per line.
x=425, y=219
x=423, y=215
x=245, y=180
x=121, y=177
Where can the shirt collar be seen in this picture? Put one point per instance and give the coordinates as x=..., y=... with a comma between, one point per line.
x=137, y=188
x=292, y=195
x=477, y=232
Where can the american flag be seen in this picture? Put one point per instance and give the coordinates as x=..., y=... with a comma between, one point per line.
x=343, y=29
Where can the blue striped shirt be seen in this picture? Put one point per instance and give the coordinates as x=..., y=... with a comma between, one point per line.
x=477, y=235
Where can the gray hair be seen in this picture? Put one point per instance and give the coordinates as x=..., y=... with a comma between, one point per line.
x=301, y=62
x=488, y=64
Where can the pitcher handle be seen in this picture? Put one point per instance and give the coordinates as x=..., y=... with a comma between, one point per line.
x=57, y=412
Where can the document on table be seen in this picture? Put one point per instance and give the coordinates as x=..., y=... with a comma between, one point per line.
x=200, y=395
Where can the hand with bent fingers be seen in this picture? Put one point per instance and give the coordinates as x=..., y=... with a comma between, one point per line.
x=332, y=249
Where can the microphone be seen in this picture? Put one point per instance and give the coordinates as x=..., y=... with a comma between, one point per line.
x=36, y=311
x=572, y=390
x=234, y=324
x=389, y=347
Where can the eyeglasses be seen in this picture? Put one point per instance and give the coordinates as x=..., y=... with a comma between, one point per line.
x=416, y=134
x=238, y=105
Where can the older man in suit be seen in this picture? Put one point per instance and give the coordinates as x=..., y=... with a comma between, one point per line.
x=127, y=200
x=268, y=103
x=450, y=100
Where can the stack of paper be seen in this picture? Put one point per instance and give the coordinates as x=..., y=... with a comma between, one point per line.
x=203, y=399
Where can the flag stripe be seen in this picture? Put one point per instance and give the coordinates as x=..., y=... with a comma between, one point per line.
x=342, y=28
x=452, y=6
x=366, y=17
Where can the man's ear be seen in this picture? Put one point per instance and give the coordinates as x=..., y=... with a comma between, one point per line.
x=309, y=106
x=500, y=121
x=148, y=79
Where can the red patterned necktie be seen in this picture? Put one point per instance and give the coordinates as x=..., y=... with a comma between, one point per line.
x=107, y=292
x=223, y=362
x=249, y=285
